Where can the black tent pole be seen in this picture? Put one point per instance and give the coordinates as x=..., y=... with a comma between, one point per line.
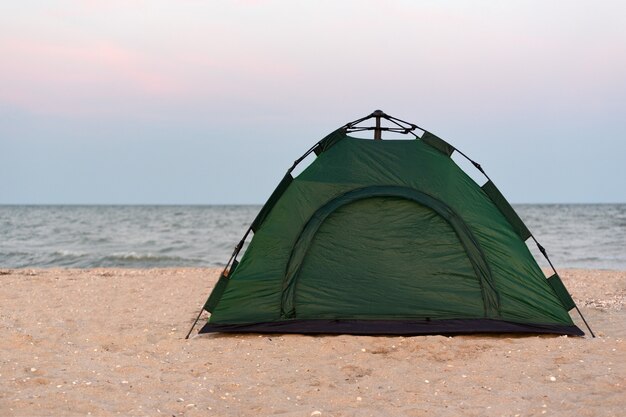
x=194, y=323
x=585, y=321
x=224, y=273
x=541, y=248
x=241, y=243
x=202, y=309
x=377, y=131
x=545, y=254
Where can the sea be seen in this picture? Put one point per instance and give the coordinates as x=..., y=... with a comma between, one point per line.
x=73, y=236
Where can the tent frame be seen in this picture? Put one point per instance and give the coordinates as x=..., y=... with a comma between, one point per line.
x=402, y=127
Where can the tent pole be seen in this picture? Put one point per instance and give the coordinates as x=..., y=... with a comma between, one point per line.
x=541, y=248
x=241, y=243
x=545, y=254
x=585, y=321
x=194, y=323
x=224, y=273
x=377, y=131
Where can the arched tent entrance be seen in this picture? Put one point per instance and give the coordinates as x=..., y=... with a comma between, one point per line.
x=386, y=245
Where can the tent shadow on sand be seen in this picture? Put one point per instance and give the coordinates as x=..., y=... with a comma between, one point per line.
x=387, y=237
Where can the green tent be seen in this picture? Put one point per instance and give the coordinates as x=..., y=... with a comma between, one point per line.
x=387, y=237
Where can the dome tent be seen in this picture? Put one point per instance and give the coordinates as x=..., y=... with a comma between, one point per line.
x=387, y=237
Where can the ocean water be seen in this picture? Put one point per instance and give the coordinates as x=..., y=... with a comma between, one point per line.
x=575, y=236
x=120, y=236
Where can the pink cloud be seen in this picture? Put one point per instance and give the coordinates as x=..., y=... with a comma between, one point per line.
x=52, y=77
x=97, y=77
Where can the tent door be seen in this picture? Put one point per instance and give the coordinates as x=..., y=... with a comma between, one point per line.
x=387, y=252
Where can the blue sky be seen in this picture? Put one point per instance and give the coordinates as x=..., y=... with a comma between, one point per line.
x=196, y=102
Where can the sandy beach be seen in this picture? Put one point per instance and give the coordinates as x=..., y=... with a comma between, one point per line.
x=106, y=342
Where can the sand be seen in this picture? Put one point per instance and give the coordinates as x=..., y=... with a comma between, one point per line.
x=106, y=342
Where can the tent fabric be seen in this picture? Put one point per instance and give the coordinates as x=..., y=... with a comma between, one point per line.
x=437, y=143
x=391, y=327
x=498, y=199
x=282, y=186
x=561, y=292
x=386, y=237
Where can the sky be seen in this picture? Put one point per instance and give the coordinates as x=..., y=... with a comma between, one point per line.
x=210, y=102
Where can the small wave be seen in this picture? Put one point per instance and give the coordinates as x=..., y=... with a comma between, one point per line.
x=134, y=256
x=68, y=253
x=144, y=260
x=605, y=258
x=88, y=240
x=14, y=253
x=588, y=259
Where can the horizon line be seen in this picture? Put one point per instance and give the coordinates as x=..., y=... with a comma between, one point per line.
x=261, y=204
